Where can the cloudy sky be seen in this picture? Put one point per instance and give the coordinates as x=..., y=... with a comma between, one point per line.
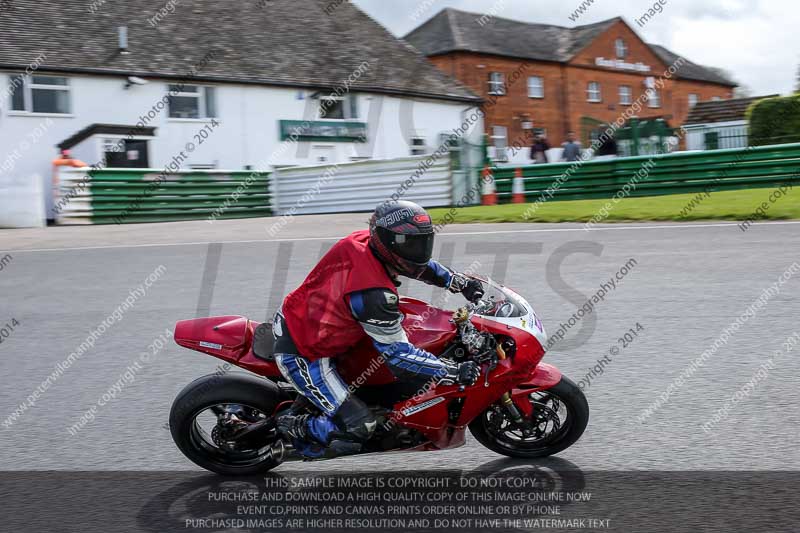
x=757, y=41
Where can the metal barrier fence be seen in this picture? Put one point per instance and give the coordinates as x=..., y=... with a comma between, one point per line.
x=360, y=186
x=119, y=196
x=656, y=175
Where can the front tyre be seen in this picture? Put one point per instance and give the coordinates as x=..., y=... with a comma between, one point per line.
x=210, y=415
x=559, y=418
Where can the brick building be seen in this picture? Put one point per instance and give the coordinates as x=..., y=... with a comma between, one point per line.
x=551, y=79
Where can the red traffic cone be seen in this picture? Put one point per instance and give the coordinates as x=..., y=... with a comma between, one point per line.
x=489, y=192
x=518, y=188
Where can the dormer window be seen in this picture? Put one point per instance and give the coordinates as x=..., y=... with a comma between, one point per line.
x=621, y=49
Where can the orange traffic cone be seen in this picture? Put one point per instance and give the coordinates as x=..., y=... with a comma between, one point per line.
x=518, y=188
x=489, y=192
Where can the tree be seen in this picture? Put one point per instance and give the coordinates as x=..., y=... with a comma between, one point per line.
x=797, y=87
x=775, y=121
x=741, y=90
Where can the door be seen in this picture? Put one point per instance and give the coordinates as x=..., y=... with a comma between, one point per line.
x=133, y=155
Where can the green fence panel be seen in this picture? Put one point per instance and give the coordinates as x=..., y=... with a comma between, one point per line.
x=683, y=172
x=120, y=196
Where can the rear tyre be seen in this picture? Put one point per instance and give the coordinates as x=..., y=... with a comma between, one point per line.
x=560, y=415
x=210, y=410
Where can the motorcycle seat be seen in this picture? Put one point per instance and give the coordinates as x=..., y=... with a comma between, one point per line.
x=263, y=342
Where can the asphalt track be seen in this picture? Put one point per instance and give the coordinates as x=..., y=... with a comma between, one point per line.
x=689, y=283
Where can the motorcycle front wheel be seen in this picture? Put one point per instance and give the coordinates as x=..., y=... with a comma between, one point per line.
x=559, y=418
x=210, y=415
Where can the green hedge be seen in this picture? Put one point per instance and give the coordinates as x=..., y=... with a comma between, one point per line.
x=775, y=118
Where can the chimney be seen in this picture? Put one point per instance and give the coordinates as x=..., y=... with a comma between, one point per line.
x=123, y=40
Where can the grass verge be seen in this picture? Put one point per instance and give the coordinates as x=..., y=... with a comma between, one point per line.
x=726, y=205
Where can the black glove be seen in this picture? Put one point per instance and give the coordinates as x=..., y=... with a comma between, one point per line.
x=472, y=289
x=462, y=374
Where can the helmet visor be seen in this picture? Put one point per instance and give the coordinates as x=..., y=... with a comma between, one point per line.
x=415, y=248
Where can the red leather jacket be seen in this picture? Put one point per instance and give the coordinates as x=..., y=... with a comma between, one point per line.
x=318, y=313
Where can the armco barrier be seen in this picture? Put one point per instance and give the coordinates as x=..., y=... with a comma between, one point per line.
x=360, y=186
x=21, y=203
x=685, y=172
x=119, y=196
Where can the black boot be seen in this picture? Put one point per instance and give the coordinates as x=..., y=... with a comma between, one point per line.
x=294, y=427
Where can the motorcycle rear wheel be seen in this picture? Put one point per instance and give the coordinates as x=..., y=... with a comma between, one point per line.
x=560, y=415
x=250, y=399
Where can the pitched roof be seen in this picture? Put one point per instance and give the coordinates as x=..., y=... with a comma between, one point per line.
x=452, y=30
x=104, y=129
x=689, y=70
x=722, y=110
x=293, y=43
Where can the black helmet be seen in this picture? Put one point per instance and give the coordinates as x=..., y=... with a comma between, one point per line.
x=401, y=234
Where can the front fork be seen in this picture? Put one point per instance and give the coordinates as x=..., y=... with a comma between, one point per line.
x=508, y=405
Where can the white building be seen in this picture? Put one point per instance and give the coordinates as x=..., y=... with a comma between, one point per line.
x=719, y=124
x=207, y=84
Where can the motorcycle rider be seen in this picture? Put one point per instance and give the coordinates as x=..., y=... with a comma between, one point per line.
x=349, y=295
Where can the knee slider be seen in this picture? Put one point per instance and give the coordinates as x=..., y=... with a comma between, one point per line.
x=355, y=420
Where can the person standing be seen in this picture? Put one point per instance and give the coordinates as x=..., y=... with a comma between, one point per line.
x=608, y=149
x=572, y=148
x=539, y=149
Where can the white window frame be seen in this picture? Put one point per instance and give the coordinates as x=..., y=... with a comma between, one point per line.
x=535, y=90
x=620, y=48
x=418, y=149
x=347, y=107
x=201, y=96
x=653, y=99
x=694, y=98
x=501, y=150
x=346, y=115
x=593, y=88
x=626, y=95
x=716, y=98
x=497, y=83
x=27, y=94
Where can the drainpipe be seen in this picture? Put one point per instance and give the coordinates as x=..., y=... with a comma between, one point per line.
x=565, y=99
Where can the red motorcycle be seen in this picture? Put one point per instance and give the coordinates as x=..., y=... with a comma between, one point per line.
x=520, y=407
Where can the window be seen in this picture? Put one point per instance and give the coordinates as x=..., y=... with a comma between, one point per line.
x=192, y=101
x=500, y=142
x=536, y=87
x=693, y=98
x=497, y=83
x=593, y=92
x=715, y=98
x=418, y=145
x=621, y=49
x=653, y=98
x=625, y=94
x=40, y=94
x=338, y=108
